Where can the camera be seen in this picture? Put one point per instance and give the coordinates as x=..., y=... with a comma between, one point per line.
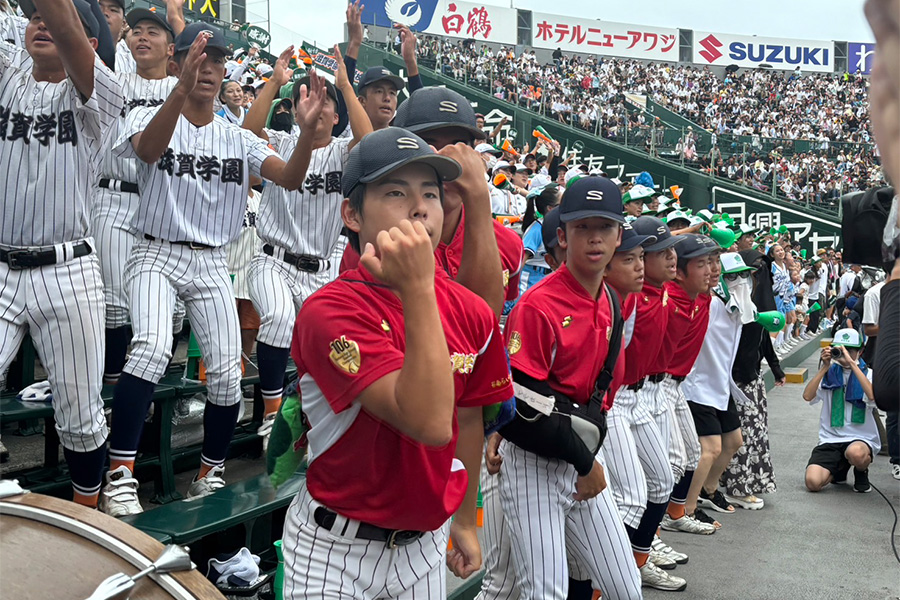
x=865, y=217
x=836, y=352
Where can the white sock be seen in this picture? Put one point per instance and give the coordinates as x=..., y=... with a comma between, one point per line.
x=779, y=339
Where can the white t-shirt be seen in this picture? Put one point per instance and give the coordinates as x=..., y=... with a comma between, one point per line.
x=847, y=280
x=872, y=304
x=867, y=431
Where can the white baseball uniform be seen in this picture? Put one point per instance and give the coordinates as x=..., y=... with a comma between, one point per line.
x=114, y=207
x=192, y=203
x=50, y=141
x=125, y=62
x=306, y=222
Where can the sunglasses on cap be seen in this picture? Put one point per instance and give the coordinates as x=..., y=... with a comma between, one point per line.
x=736, y=276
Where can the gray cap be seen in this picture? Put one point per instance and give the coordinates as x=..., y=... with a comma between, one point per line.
x=385, y=151
x=84, y=13
x=648, y=225
x=435, y=108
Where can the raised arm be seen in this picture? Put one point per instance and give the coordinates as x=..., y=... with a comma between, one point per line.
x=72, y=45
x=480, y=269
x=419, y=398
x=359, y=120
x=408, y=43
x=354, y=31
x=150, y=144
x=175, y=15
x=291, y=174
x=255, y=119
x=493, y=135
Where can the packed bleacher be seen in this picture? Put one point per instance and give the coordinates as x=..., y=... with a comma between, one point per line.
x=752, y=118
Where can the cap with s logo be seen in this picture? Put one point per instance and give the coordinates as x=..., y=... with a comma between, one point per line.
x=437, y=108
x=631, y=239
x=376, y=74
x=384, y=151
x=591, y=196
x=647, y=225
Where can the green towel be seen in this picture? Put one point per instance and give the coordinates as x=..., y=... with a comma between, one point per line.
x=287, y=443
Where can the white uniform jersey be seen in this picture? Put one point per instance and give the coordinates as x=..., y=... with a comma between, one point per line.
x=137, y=91
x=197, y=190
x=241, y=251
x=50, y=144
x=307, y=221
x=12, y=29
x=124, y=59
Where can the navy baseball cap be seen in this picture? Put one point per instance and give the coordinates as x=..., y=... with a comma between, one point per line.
x=189, y=34
x=84, y=13
x=695, y=245
x=374, y=74
x=648, y=225
x=142, y=14
x=631, y=239
x=549, y=227
x=435, y=108
x=330, y=90
x=385, y=151
x=591, y=197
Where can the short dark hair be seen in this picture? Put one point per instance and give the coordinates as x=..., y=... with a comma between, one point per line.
x=682, y=264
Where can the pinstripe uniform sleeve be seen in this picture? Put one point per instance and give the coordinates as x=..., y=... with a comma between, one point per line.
x=106, y=102
x=135, y=122
x=257, y=152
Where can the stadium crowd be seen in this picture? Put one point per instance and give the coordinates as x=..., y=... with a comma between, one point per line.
x=751, y=118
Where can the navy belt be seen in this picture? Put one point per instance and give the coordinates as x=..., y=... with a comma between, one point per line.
x=656, y=378
x=191, y=245
x=33, y=258
x=391, y=537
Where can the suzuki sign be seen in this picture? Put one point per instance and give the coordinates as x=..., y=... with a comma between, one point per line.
x=724, y=49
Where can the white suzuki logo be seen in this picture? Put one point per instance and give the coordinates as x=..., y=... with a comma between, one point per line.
x=407, y=143
x=595, y=195
x=448, y=106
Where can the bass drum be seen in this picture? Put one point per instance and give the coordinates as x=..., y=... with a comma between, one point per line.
x=53, y=549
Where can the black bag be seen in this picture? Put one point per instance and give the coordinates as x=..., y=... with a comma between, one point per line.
x=592, y=412
x=862, y=226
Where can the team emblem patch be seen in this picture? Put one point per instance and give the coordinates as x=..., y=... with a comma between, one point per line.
x=566, y=321
x=845, y=337
x=385, y=326
x=515, y=343
x=505, y=278
x=665, y=299
x=345, y=355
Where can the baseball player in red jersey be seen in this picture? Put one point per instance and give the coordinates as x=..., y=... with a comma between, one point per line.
x=395, y=362
x=467, y=252
x=625, y=462
x=57, y=103
x=689, y=299
x=552, y=494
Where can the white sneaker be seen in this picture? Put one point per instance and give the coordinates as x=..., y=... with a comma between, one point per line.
x=895, y=471
x=750, y=502
x=687, y=524
x=654, y=577
x=660, y=547
x=265, y=430
x=200, y=488
x=662, y=561
x=119, y=497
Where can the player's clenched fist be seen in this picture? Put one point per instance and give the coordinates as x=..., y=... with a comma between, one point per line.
x=402, y=258
x=591, y=484
x=471, y=184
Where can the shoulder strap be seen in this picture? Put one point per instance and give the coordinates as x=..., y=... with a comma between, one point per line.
x=604, y=379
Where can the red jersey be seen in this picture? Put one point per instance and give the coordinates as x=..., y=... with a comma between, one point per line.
x=678, y=307
x=629, y=306
x=512, y=255
x=350, y=259
x=648, y=333
x=558, y=333
x=681, y=362
x=348, y=335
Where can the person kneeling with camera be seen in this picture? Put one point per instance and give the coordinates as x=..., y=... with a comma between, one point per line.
x=848, y=435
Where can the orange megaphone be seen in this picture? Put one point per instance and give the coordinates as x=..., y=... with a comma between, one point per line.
x=541, y=134
x=508, y=147
x=501, y=181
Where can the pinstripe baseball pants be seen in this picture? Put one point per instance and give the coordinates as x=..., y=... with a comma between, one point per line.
x=61, y=306
x=278, y=290
x=319, y=564
x=154, y=274
x=548, y=527
x=499, y=582
x=111, y=225
x=684, y=446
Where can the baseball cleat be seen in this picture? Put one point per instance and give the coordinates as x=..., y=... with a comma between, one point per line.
x=654, y=577
x=200, y=488
x=660, y=547
x=687, y=524
x=119, y=497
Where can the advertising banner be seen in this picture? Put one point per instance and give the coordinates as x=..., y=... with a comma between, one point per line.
x=207, y=8
x=469, y=20
x=859, y=57
x=586, y=36
x=723, y=49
